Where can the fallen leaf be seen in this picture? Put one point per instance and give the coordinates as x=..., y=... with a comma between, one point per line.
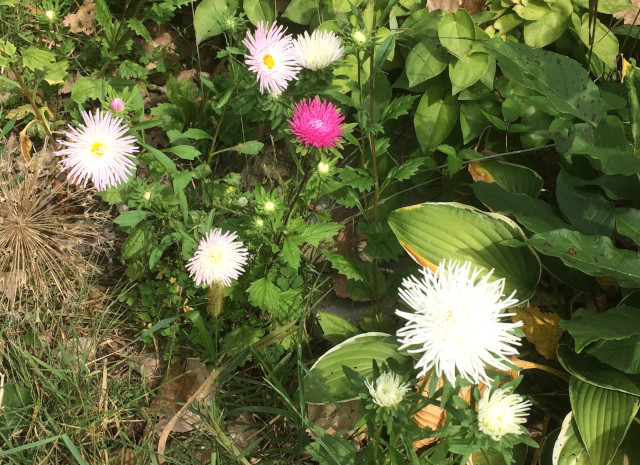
x=542, y=329
x=472, y=6
x=84, y=21
x=631, y=15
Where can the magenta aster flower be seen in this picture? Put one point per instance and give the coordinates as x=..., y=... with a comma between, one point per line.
x=219, y=258
x=98, y=151
x=272, y=57
x=317, y=123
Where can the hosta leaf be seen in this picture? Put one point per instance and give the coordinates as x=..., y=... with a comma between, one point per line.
x=432, y=232
x=357, y=353
x=617, y=323
x=603, y=417
x=516, y=179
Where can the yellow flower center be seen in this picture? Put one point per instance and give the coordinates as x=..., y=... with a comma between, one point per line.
x=98, y=149
x=215, y=257
x=269, y=61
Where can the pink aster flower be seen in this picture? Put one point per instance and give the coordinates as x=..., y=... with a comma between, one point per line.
x=317, y=123
x=272, y=57
x=98, y=151
x=219, y=258
x=117, y=104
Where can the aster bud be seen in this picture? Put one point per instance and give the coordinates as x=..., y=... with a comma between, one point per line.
x=117, y=104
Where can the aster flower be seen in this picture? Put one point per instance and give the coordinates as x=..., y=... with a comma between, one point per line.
x=457, y=324
x=318, y=50
x=98, y=151
x=387, y=390
x=501, y=413
x=272, y=57
x=219, y=258
x=317, y=123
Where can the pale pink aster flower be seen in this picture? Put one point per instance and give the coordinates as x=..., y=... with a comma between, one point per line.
x=117, y=104
x=318, y=50
x=98, y=151
x=317, y=123
x=219, y=258
x=272, y=57
x=458, y=324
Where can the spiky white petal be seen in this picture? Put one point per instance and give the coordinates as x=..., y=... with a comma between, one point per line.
x=318, y=50
x=458, y=324
x=98, y=151
x=387, y=390
x=501, y=413
x=219, y=258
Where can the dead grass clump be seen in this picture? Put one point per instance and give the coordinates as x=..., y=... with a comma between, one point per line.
x=51, y=234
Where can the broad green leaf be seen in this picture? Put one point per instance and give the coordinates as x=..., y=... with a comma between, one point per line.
x=336, y=329
x=207, y=15
x=432, y=232
x=331, y=449
x=560, y=79
x=88, y=88
x=586, y=207
x=628, y=223
x=291, y=253
x=315, y=233
x=357, y=353
x=592, y=371
x=156, y=254
x=457, y=32
x=435, y=117
x=426, y=59
x=163, y=159
x=345, y=265
x=264, y=294
x=623, y=354
x=259, y=10
x=301, y=11
x=605, y=43
x=251, y=147
x=607, y=145
x=185, y=152
x=568, y=450
x=532, y=10
x=617, y=323
x=131, y=218
x=606, y=6
x=550, y=27
x=594, y=255
x=139, y=28
x=37, y=58
x=467, y=70
x=513, y=178
x=55, y=72
x=534, y=214
x=140, y=241
x=495, y=457
x=603, y=417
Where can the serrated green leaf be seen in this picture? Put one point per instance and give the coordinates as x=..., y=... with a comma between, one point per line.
x=139, y=28
x=36, y=58
x=291, y=251
x=315, y=233
x=344, y=265
x=356, y=178
x=264, y=294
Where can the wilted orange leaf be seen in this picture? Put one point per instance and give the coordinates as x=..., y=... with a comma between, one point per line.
x=479, y=173
x=542, y=329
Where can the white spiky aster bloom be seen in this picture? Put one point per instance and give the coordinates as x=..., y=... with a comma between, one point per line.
x=219, y=258
x=458, y=324
x=98, y=151
x=318, y=50
x=272, y=57
x=502, y=413
x=387, y=390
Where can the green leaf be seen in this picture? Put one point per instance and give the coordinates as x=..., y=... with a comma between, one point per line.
x=207, y=15
x=131, y=218
x=432, y=232
x=87, y=88
x=607, y=146
x=435, y=117
x=513, y=178
x=336, y=329
x=606, y=6
x=561, y=80
x=103, y=15
x=623, y=354
x=467, y=70
x=56, y=72
x=315, y=233
x=291, y=251
x=605, y=44
x=356, y=178
x=331, y=449
x=616, y=323
x=156, y=253
x=590, y=370
x=259, y=10
x=264, y=294
x=251, y=147
x=36, y=58
x=140, y=240
x=603, y=417
x=185, y=152
x=163, y=159
x=301, y=11
x=140, y=29
x=457, y=32
x=628, y=223
x=384, y=50
x=344, y=265
x=426, y=59
x=550, y=27
x=594, y=255
x=405, y=170
x=357, y=353
x=568, y=450
x=398, y=107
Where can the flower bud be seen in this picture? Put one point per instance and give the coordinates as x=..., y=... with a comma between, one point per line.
x=117, y=104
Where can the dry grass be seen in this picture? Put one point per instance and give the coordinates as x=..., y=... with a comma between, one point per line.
x=51, y=233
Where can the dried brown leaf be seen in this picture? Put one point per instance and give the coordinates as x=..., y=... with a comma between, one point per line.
x=84, y=21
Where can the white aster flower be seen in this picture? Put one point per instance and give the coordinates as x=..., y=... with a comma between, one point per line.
x=272, y=57
x=98, y=151
x=323, y=168
x=219, y=258
x=501, y=413
x=318, y=50
x=387, y=390
x=457, y=324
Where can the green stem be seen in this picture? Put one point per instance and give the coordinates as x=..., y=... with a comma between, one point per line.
x=215, y=302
